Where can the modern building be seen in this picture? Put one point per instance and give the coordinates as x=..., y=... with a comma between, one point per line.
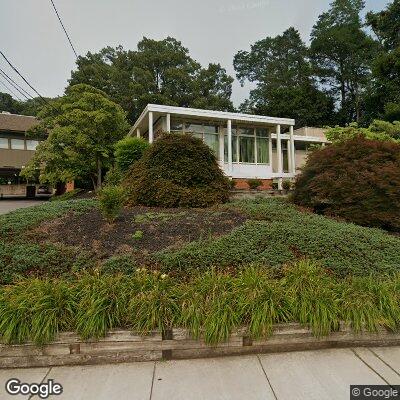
x=246, y=146
x=15, y=150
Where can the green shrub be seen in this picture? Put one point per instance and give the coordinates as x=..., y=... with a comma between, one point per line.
x=286, y=185
x=254, y=183
x=67, y=195
x=114, y=177
x=129, y=150
x=281, y=234
x=177, y=171
x=357, y=179
x=111, y=201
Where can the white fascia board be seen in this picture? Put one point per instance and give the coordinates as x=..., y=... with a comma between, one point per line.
x=199, y=113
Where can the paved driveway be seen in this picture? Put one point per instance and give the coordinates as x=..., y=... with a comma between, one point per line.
x=319, y=375
x=10, y=205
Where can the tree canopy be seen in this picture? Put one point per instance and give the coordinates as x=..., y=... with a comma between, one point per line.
x=159, y=71
x=284, y=83
x=83, y=126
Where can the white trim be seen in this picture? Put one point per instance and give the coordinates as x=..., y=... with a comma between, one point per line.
x=221, y=115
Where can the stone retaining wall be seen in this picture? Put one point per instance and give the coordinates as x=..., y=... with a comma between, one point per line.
x=124, y=346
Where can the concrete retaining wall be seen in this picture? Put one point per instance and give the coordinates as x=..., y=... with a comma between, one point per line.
x=124, y=346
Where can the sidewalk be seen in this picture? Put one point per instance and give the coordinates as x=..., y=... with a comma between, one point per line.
x=312, y=375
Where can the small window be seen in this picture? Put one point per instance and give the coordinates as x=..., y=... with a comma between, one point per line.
x=18, y=144
x=3, y=143
x=31, y=144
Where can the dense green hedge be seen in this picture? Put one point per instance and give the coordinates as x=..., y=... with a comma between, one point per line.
x=281, y=233
x=357, y=179
x=211, y=305
x=177, y=171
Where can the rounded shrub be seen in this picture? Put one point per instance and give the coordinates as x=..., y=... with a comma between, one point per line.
x=111, y=201
x=129, y=150
x=177, y=171
x=358, y=180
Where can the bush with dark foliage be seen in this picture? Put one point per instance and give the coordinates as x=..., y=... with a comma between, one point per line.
x=357, y=179
x=177, y=171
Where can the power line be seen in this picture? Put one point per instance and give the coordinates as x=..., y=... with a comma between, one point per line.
x=10, y=90
x=15, y=85
x=65, y=31
x=23, y=78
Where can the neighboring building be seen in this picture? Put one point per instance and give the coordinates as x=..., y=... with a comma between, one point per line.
x=247, y=146
x=15, y=149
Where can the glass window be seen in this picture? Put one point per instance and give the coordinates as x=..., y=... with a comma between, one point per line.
x=176, y=125
x=234, y=148
x=31, y=144
x=210, y=129
x=193, y=127
x=212, y=141
x=3, y=143
x=246, y=131
x=17, y=144
x=246, y=149
x=262, y=151
x=261, y=132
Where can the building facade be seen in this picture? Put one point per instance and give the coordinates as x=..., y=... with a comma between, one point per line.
x=15, y=150
x=246, y=146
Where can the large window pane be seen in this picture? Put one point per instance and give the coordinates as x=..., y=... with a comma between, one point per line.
x=176, y=126
x=31, y=144
x=210, y=128
x=262, y=151
x=17, y=144
x=261, y=132
x=246, y=131
x=212, y=141
x=246, y=149
x=3, y=143
x=189, y=127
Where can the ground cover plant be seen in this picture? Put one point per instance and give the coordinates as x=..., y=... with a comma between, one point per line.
x=62, y=238
x=211, y=305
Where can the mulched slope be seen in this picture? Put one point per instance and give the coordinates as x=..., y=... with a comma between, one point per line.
x=162, y=228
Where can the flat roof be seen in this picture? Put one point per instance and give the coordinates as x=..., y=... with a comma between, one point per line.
x=196, y=113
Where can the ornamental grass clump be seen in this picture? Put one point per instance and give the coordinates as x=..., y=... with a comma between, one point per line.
x=311, y=294
x=36, y=310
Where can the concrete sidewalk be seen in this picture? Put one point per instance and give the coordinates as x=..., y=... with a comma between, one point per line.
x=319, y=375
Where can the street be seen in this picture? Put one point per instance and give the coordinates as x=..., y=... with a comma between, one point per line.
x=319, y=375
x=13, y=204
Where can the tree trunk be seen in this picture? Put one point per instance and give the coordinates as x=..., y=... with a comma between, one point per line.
x=98, y=186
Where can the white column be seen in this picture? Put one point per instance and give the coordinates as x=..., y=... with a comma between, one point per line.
x=151, y=136
x=221, y=146
x=138, y=132
x=292, y=152
x=289, y=155
x=169, y=123
x=229, y=129
x=279, y=156
x=270, y=151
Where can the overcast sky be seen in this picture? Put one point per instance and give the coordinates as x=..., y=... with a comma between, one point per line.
x=213, y=30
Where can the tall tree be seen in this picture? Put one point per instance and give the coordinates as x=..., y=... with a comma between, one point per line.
x=8, y=104
x=157, y=72
x=342, y=53
x=82, y=127
x=284, y=84
x=385, y=98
